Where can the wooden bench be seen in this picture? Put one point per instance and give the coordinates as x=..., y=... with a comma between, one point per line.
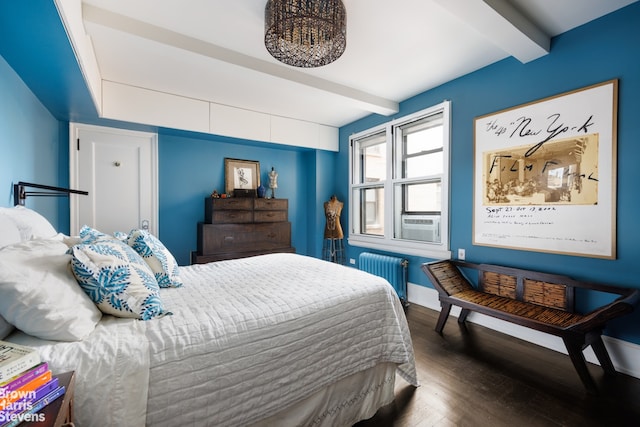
x=540, y=301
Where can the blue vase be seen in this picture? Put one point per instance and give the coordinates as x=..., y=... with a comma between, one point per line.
x=262, y=191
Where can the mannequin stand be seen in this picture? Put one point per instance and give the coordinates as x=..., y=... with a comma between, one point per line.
x=333, y=250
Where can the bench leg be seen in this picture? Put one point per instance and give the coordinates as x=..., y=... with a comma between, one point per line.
x=574, y=348
x=463, y=315
x=444, y=314
x=603, y=356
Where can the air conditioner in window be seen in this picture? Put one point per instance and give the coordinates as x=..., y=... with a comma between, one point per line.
x=425, y=228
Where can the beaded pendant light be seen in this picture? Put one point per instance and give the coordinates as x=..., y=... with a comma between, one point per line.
x=305, y=33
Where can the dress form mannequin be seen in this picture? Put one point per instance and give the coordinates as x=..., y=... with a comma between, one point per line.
x=332, y=210
x=273, y=182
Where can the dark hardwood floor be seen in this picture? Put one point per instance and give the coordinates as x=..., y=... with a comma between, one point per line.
x=474, y=376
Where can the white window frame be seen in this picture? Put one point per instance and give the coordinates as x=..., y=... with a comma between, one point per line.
x=388, y=242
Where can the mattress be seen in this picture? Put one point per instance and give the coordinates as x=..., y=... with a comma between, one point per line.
x=247, y=340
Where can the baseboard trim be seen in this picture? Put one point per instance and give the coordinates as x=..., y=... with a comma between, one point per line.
x=624, y=355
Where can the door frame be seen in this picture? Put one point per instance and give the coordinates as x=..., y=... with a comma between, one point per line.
x=74, y=129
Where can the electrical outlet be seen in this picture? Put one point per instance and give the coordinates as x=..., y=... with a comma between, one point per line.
x=352, y=261
x=461, y=254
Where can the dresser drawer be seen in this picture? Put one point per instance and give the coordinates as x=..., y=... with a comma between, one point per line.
x=231, y=203
x=231, y=217
x=269, y=216
x=215, y=238
x=216, y=209
x=271, y=204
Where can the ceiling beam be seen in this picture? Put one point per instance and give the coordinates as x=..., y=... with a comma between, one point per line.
x=503, y=25
x=142, y=29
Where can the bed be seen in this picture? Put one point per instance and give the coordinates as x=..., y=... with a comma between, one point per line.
x=279, y=339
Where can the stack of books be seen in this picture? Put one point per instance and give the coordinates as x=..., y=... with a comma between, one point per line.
x=26, y=385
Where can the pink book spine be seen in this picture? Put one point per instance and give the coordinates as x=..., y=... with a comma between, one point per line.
x=18, y=382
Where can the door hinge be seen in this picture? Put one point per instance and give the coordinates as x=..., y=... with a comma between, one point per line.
x=78, y=144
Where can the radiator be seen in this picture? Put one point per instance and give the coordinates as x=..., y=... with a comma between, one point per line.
x=393, y=269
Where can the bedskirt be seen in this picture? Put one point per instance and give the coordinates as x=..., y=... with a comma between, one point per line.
x=344, y=403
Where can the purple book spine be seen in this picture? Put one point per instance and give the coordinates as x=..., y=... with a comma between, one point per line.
x=31, y=397
x=23, y=379
x=37, y=406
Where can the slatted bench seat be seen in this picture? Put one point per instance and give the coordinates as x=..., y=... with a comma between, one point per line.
x=540, y=301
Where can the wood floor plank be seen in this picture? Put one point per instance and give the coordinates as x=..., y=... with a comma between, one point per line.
x=474, y=376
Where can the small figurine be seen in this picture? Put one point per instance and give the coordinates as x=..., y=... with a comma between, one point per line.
x=273, y=182
x=215, y=194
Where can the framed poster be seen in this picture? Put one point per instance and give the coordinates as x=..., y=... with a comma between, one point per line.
x=241, y=175
x=545, y=174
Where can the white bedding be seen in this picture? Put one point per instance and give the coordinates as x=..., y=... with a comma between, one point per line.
x=247, y=339
x=112, y=371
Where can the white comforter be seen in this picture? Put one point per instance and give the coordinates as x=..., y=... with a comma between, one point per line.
x=247, y=338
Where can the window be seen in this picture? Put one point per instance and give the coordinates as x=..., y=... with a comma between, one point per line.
x=399, y=185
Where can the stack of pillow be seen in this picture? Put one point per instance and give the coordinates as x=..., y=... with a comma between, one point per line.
x=40, y=270
x=123, y=274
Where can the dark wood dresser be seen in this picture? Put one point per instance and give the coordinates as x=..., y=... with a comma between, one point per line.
x=241, y=227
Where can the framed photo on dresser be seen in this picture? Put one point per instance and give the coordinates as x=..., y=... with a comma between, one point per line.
x=241, y=175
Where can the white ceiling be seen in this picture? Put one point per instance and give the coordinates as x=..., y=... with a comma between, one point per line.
x=213, y=50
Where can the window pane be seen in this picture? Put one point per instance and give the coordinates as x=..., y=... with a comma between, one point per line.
x=426, y=164
x=423, y=140
x=423, y=197
x=420, y=144
x=420, y=219
x=373, y=158
x=372, y=208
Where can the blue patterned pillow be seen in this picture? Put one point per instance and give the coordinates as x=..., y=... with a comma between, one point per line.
x=117, y=280
x=121, y=236
x=91, y=235
x=157, y=256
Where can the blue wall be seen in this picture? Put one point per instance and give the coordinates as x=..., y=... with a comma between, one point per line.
x=605, y=49
x=192, y=166
x=31, y=148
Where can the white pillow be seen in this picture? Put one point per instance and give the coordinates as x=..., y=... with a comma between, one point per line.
x=40, y=296
x=30, y=223
x=117, y=279
x=9, y=233
x=5, y=328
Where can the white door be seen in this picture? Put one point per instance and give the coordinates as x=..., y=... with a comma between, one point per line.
x=119, y=170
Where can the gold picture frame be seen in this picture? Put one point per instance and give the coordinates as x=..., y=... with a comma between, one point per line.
x=241, y=174
x=545, y=174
